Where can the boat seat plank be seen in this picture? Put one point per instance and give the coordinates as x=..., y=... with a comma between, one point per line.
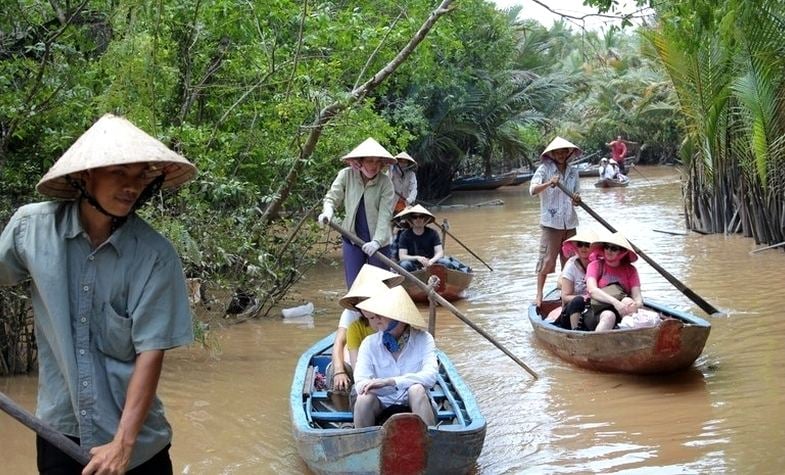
x=346, y=416
x=442, y=383
x=436, y=393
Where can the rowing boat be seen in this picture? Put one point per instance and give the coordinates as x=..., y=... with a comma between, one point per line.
x=674, y=344
x=479, y=182
x=587, y=169
x=328, y=443
x=452, y=283
x=612, y=183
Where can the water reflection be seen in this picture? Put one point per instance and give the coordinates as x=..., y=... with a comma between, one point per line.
x=230, y=409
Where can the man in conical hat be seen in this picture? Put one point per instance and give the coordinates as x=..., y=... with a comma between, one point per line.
x=348, y=336
x=419, y=246
x=396, y=366
x=558, y=219
x=109, y=298
x=366, y=195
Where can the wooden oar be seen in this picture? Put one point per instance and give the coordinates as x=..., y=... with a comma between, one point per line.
x=44, y=430
x=445, y=226
x=639, y=172
x=436, y=297
x=704, y=305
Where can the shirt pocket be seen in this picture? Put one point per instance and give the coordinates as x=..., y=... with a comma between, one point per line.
x=113, y=335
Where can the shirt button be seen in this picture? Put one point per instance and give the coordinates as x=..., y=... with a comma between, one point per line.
x=83, y=319
x=83, y=412
x=84, y=383
x=91, y=258
x=81, y=352
x=86, y=288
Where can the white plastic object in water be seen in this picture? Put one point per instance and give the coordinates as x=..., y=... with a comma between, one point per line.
x=300, y=311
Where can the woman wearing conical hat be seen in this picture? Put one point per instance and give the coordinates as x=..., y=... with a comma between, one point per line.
x=404, y=179
x=353, y=327
x=366, y=195
x=612, y=282
x=396, y=366
x=572, y=280
x=109, y=298
x=558, y=219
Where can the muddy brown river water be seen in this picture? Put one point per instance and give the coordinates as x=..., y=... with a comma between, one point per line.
x=229, y=406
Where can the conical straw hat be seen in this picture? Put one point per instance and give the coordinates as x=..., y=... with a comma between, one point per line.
x=617, y=239
x=370, y=148
x=394, y=304
x=558, y=143
x=416, y=209
x=368, y=283
x=110, y=141
x=377, y=273
x=581, y=235
x=407, y=157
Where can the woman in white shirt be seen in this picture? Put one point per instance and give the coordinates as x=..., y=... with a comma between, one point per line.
x=573, y=280
x=397, y=365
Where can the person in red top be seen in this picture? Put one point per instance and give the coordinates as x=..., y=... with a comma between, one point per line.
x=618, y=152
x=612, y=258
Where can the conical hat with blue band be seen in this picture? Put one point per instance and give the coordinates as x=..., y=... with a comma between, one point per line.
x=395, y=304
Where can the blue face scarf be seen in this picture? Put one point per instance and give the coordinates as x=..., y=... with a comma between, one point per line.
x=389, y=341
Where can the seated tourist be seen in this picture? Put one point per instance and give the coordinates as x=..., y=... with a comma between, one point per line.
x=368, y=281
x=572, y=280
x=612, y=282
x=419, y=246
x=397, y=366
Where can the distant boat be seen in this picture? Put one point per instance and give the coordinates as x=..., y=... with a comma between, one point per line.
x=672, y=345
x=329, y=444
x=612, y=183
x=479, y=182
x=452, y=283
x=521, y=177
x=586, y=169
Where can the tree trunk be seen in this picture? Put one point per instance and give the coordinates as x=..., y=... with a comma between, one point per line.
x=326, y=114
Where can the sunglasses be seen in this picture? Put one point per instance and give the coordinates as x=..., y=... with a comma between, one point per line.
x=582, y=244
x=611, y=247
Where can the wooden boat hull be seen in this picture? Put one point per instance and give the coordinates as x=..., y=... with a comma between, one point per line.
x=402, y=445
x=452, y=283
x=672, y=345
x=588, y=171
x=521, y=178
x=475, y=183
x=609, y=183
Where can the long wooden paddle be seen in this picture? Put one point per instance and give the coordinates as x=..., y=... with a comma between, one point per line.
x=44, y=430
x=704, y=305
x=434, y=296
x=445, y=228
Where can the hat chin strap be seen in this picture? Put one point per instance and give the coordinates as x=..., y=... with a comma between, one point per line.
x=118, y=221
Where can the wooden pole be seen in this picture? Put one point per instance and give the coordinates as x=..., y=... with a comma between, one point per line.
x=704, y=305
x=444, y=227
x=767, y=247
x=435, y=296
x=433, y=283
x=44, y=430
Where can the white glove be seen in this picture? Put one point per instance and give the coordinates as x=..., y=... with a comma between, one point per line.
x=370, y=247
x=325, y=217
